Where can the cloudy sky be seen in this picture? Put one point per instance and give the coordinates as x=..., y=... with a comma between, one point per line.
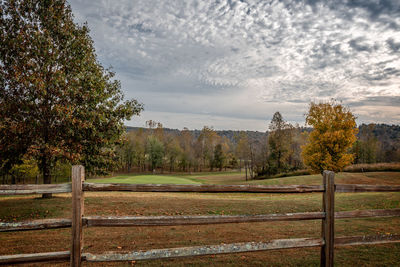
x=232, y=64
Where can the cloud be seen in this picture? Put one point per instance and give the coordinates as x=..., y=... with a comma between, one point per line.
x=243, y=60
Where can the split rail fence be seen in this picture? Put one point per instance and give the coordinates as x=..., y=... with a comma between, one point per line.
x=76, y=256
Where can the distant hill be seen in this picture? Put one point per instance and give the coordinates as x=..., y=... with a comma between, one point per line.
x=254, y=135
x=387, y=134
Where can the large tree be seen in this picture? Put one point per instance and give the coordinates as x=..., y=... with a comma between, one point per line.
x=279, y=140
x=334, y=132
x=56, y=100
x=155, y=152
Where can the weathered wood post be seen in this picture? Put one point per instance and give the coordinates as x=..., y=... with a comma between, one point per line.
x=78, y=176
x=328, y=206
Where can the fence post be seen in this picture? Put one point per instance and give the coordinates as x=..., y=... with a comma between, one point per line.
x=78, y=176
x=328, y=206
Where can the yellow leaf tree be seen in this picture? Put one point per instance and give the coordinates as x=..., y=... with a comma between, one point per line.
x=334, y=132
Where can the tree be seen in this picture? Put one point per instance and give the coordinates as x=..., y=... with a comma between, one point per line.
x=365, y=148
x=172, y=150
x=56, y=100
x=127, y=152
x=334, y=132
x=242, y=148
x=218, y=157
x=187, y=158
x=279, y=140
x=206, y=142
x=155, y=151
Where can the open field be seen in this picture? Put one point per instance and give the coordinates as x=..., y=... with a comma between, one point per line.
x=101, y=239
x=239, y=178
x=147, y=179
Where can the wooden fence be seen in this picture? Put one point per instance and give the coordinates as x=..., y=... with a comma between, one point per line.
x=327, y=242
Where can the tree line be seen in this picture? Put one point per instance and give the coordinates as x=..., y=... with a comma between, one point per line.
x=281, y=149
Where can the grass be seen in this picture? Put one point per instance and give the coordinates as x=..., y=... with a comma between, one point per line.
x=98, y=240
x=146, y=179
x=239, y=178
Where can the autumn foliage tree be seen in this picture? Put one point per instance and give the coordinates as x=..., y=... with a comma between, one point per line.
x=334, y=132
x=56, y=100
x=279, y=140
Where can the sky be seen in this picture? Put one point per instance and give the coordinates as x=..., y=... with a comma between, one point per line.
x=233, y=64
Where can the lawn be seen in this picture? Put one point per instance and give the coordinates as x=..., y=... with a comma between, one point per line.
x=98, y=240
x=239, y=178
x=146, y=179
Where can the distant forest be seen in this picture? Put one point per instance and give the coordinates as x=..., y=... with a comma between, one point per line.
x=162, y=149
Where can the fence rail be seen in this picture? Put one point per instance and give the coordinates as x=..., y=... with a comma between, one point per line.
x=114, y=221
x=327, y=242
x=205, y=188
x=201, y=250
x=28, y=189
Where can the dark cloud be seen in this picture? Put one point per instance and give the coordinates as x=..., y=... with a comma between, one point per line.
x=393, y=45
x=140, y=28
x=360, y=45
x=376, y=8
x=376, y=101
x=384, y=74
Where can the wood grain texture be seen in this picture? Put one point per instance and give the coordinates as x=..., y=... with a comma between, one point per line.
x=203, y=188
x=367, y=213
x=196, y=220
x=78, y=177
x=35, y=225
x=34, y=257
x=355, y=188
x=116, y=221
x=328, y=207
x=204, y=250
x=26, y=189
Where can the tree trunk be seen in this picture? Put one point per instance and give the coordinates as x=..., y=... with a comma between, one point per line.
x=245, y=167
x=46, y=175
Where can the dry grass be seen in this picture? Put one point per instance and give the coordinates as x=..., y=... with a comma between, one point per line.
x=98, y=240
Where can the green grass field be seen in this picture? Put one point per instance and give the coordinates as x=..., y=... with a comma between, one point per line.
x=146, y=179
x=101, y=239
x=239, y=178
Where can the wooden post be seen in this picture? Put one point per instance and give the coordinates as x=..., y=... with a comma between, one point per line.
x=328, y=206
x=78, y=176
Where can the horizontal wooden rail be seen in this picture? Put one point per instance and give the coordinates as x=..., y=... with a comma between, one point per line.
x=220, y=219
x=105, y=221
x=203, y=188
x=34, y=257
x=238, y=248
x=354, y=188
x=35, y=225
x=367, y=213
x=26, y=189
x=199, y=250
x=66, y=188
x=196, y=220
x=205, y=250
x=366, y=240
